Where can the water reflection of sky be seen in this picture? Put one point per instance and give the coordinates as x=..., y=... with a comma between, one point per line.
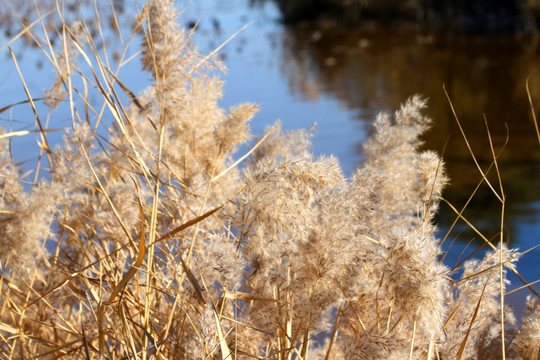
x=342, y=79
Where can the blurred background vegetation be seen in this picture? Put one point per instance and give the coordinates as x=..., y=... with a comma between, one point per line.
x=471, y=16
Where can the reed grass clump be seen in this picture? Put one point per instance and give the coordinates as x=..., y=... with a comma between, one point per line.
x=147, y=239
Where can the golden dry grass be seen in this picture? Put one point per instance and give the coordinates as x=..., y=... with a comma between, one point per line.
x=152, y=242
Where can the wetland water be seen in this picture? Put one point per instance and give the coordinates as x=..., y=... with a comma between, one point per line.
x=342, y=78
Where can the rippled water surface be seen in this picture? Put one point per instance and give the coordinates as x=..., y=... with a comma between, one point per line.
x=341, y=79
